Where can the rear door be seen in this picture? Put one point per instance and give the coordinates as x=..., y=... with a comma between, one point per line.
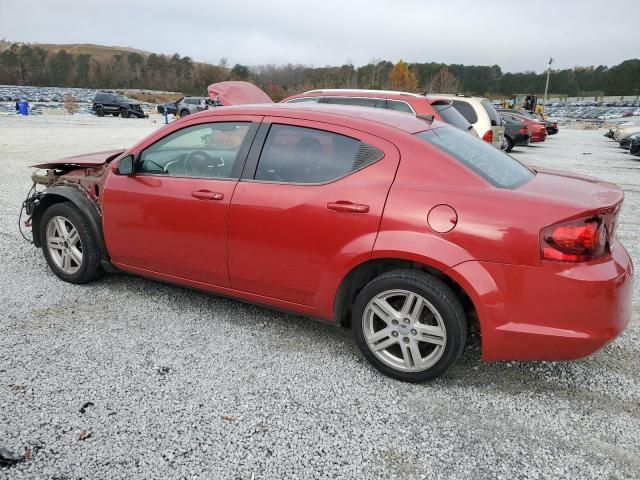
x=309, y=204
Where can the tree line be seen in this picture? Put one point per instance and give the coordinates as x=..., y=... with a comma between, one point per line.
x=22, y=64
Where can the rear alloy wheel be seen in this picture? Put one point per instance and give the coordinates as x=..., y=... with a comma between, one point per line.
x=409, y=325
x=68, y=244
x=100, y=112
x=509, y=144
x=184, y=113
x=124, y=113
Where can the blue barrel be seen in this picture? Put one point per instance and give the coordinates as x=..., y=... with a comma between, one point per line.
x=23, y=107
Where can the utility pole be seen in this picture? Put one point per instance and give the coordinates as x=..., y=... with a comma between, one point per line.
x=546, y=87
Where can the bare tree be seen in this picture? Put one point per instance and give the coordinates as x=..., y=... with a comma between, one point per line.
x=444, y=82
x=70, y=103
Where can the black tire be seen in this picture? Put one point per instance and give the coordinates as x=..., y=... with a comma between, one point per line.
x=100, y=111
x=509, y=144
x=124, y=113
x=439, y=295
x=184, y=113
x=115, y=114
x=90, y=267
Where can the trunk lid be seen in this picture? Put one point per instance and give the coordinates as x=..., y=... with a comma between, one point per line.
x=579, y=193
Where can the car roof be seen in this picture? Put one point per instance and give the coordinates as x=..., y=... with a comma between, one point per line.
x=363, y=93
x=451, y=96
x=361, y=118
x=346, y=92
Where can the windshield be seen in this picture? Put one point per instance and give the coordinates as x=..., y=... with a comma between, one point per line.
x=498, y=168
x=122, y=98
x=452, y=116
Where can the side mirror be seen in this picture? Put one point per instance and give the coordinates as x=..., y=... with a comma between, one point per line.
x=125, y=166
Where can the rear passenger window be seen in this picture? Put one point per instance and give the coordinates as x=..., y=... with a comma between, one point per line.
x=357, y=102
x=466, y=110
x=306, y=155
x=399, y=106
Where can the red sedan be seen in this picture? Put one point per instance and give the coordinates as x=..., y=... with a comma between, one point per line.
x=537, y=129
x=405, y=230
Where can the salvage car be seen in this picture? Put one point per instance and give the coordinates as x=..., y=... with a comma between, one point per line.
x=404, y=229
x=412, y=103
x=109, y=103
x=481, y=113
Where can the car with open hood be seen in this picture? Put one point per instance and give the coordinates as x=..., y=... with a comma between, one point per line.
x=406, y=230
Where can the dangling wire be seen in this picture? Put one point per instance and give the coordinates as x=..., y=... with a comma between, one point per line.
x=24, y=208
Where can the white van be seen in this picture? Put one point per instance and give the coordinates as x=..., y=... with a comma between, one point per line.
x=480, y=113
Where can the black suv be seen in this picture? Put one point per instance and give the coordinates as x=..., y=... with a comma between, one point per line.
x=107, y=103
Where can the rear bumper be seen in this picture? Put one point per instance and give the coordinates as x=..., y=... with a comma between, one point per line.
x=521, y=139
x=540, y=136
x=557, y=311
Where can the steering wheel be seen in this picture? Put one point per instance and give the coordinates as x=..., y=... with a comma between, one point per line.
x=199, y=163
x=196, y=161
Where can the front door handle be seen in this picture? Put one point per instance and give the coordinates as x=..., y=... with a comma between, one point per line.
x=343, y=206
x=207, y=195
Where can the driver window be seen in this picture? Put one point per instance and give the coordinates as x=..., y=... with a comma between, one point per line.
x=207, y=150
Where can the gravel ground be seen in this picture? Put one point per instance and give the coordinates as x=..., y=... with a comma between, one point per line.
x=180, y=384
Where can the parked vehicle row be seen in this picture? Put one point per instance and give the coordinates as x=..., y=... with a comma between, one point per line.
x=471, y=114
x=627, y=135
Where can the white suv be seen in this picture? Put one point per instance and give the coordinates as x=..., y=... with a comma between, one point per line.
x=480, y=113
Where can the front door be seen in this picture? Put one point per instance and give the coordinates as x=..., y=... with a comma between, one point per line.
x=312, y=205
x=170, y=217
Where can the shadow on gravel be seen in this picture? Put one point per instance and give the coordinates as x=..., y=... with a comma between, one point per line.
x=285, y=330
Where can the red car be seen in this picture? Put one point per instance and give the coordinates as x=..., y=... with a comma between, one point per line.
x=422, y=105
x=537, y=129
x=405, y=229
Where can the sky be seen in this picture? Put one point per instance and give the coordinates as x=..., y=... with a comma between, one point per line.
x=517, y=36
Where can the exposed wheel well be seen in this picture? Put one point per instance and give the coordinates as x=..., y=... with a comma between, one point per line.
x=360, y=276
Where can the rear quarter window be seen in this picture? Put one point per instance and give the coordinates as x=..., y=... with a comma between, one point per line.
x=494, y=116
x=452, y=116
x=498, y=168
x=466, y=110
x=356, y=102
x=305, y=100
x=399, y=106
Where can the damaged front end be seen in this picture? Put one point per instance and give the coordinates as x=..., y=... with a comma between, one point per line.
x=78, y=180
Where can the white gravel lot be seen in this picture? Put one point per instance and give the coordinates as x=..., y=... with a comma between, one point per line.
x=188, y=385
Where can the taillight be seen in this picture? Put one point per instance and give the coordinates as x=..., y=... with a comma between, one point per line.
x=488, y=136
x=574, y=241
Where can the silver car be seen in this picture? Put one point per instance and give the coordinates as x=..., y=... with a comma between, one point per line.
x=188, y=105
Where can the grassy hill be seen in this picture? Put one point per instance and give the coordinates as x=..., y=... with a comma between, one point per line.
x=99, y=52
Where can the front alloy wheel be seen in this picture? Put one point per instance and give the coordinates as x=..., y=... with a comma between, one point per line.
x=409, y=324
x=69, y=244
x=64, y=245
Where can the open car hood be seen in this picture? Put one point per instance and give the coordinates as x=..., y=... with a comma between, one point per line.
x=84, y=160
x=237, y=93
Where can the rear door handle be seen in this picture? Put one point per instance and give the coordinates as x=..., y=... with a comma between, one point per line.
x=207, y=195
x=343, y=206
